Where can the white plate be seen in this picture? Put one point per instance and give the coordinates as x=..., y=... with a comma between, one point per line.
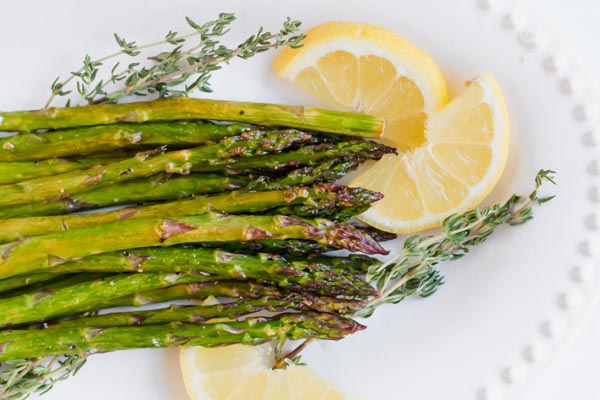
x=505, y=309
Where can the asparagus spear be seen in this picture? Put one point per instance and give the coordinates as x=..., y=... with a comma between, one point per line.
x=17, y=344
x=45, y=304
x=45, y=251
x=328, y=171
x=97, y=139
x=265, y=267
x=355, y=263
x=12, y=172
x=70, y=280
x=339, y=122
x=146, y=164
x=332, y=212
x=356, y=150
x=243, y=290
x=292, y=247
x=158, y=187
x=21, y=281
x=185, y=313
x=58, y=282
x=377, y=234
x=319, y=196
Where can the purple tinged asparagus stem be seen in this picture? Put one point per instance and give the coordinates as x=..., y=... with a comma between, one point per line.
x=46, y=251
x=312, y=199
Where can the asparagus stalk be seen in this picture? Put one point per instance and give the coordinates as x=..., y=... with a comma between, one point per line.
x=46, y=304
x=355, y=263
x=377, y=234
x=354, y=150
x=12, y=172
x=146, y=164
x=96, y=139
x=243, y=290
x=70, y=280
x=21, y=281
x=184, y=314
x=328, y=171
x=158, y=187
x=339, y=122
x=17, y=344
x=265, y=267
x=42, y=252
x=315, y=198
x=331, y=212
x=292, y=247
x=57, y=282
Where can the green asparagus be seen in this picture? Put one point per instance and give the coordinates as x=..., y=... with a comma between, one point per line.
x=264, y=267
x=45, y=303
x=172, y=109
x=328, y=171
x=21, y=281
x=106, y=138
x=154, y=188
x=354, y=150
x=186, y=313
x=16, y=344
x=45, y=251
x=291, y=247
x=13, y=172
x=241, y=290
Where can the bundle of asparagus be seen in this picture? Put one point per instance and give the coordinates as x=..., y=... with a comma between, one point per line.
x=213, y=206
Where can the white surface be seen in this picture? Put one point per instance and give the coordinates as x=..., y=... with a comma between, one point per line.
x=574, y=373
x=468, y=340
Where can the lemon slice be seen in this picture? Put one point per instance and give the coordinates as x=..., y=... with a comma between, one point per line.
x=240, y=372
x=461, y=161
x=364, y=67
x=451, y=155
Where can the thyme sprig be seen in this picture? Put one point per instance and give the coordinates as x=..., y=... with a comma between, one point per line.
x=412, y=272
x=184, y=66
x=20, y=378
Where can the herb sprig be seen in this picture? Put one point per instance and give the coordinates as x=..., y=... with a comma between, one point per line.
x=185, y=66
x=20, y=378
x=412, y=272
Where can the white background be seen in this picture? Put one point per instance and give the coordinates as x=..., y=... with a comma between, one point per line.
x=574, y=373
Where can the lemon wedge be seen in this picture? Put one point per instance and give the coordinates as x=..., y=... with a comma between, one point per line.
x=241, y=372
x=452, y=155
x=461, y=161
x=367, y=68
